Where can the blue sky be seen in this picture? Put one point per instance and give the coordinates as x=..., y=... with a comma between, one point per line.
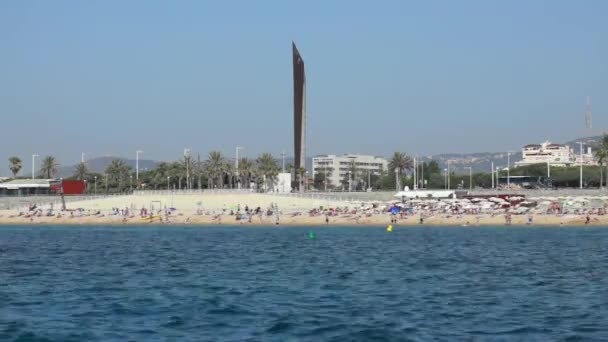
x=111, y=77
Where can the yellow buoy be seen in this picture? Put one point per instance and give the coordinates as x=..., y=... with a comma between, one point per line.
x=389, y=228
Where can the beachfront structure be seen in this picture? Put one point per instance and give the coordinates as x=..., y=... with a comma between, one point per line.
x=554, y=154
x=299, y=109
x=283, y=183
x=26, y=187
x=336, y=168
x=408, y=194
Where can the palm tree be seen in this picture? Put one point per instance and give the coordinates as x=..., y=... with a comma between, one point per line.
x=301, y=172
x=246, y=169
x=267, y=167
x=229, y=172
x=49, y=166
x=601, y=153
x=14, y=164
x=117, y=172
x=81, y=170
x=400, y=162
x=214, y=166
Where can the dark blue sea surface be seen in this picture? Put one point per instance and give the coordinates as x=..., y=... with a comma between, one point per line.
x=169, y=283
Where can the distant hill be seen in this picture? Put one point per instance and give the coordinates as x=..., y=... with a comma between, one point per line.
x=482, y=162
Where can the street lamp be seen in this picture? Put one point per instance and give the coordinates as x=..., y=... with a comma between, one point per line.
x=168, y=183
x=448, y=174
x=581, y=162
x=137, y=164
x=236, y=166
x=131, y=182
x=470, y=177
x=508, y=170
x=397, y=185
x=415, y=174
x=95, y=185
x=33, y=162
x=187, y=160
x=445, y=178
x=349, y=181
x=492, y=174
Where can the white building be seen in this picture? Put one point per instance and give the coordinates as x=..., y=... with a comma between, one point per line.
x=554, y=154
x=283, y=183
x=337, y=167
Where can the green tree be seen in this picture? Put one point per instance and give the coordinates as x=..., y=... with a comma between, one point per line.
x=49, y=167
x=431, y=168
x=80, y=171
x=229, y=173
x=267, y=168
x=14, y=164
x=401, y=162
x=214, y=167
x=601, y=154
x=117, y=173
x=246, y=171
x=321, y=178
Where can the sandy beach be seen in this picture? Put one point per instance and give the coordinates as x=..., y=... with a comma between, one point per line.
x=229, y=209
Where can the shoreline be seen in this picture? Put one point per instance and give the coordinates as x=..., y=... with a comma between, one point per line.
x=312, y=221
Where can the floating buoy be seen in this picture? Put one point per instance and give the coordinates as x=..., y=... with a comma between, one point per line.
x=389, y=228
x=311, y=235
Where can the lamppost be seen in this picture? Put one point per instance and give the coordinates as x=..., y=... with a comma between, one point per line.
x=187, y=159
x=581, y=163
x=349, y=181
x=509, y=170
x=470, y=177
x=448, y=174
x=236, y=166
x=397, y=185
x=33, y=163
x=422, y=175
x=168, y=183
x=445, y=178
x=415, y=175
x=131, y=183
x=137, y=165
x=492, y=175
x=95, y=185
x=497, y=178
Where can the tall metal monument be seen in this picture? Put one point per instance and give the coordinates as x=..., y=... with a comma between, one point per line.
x=299, y=110
x=588, y=114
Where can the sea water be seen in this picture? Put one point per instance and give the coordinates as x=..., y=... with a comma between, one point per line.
x=150, y=283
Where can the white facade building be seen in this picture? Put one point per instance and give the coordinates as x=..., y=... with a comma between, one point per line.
x=554, y=154
x=337, y=167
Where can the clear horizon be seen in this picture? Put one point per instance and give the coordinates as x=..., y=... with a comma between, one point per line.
x=424, y=78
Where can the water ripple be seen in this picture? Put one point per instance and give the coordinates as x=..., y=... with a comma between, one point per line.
x=349, y=284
